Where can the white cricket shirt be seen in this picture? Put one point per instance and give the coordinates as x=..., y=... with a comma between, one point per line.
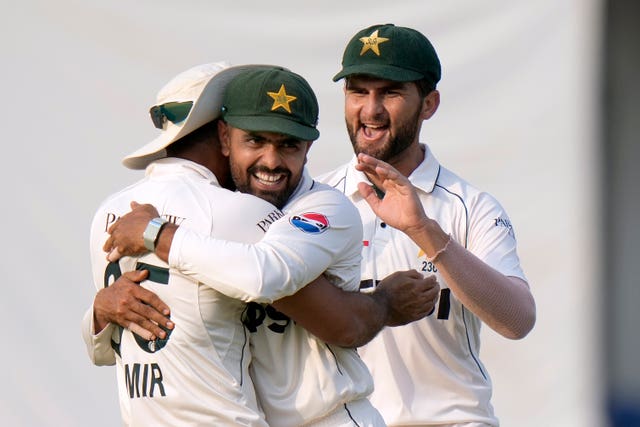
x=199, y=375
x=298, y=378
x=429, y=372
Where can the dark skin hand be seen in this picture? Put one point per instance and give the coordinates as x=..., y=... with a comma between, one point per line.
x=410, y=296
x=355, y=317
x=125, y=235
x=129, y=305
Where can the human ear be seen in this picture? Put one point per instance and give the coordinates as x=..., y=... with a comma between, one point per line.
x=430, y=104
x=225, y=140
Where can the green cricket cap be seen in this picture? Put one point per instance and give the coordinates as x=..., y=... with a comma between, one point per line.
x=392, y=53
x=272, y=99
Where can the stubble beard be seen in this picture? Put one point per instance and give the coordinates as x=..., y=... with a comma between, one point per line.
x=242, y=181
x=393, y=146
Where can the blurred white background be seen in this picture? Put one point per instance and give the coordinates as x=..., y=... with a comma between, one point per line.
x=518, y=118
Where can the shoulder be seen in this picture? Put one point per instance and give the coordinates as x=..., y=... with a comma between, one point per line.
x=326, y=201
x=322, y=194
x=479, y=210
x=451, y=185
x=119, y=202
x=248, y=209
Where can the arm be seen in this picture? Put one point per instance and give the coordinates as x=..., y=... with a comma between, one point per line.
x=352, y=319
x=266, y=275
x=276, y=266
x=126, y=304
x=502, y=302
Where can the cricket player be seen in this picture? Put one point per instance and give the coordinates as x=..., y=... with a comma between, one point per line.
x=418, y=214
x=197, y=374
x=295, y=359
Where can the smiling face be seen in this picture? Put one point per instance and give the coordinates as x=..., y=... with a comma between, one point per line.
x=384, y=117
x=266, y=164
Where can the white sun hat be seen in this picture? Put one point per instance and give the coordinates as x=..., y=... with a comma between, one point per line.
x=191, y=99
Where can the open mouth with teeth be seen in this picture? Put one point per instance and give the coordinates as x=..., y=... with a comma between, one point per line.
x=371, y=131
x=270, y=179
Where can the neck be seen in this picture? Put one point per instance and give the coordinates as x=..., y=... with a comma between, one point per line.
x=409, y=159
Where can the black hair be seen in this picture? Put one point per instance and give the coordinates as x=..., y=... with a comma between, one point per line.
x=199, y=136
x=425, y=87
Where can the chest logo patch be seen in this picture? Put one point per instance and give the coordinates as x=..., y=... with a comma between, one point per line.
x=310, y=222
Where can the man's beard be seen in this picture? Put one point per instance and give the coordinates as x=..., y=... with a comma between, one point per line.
x=395, y=145
x=277, y=198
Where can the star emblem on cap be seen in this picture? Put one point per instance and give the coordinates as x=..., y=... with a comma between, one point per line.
x=372, y=43
x=281, y=99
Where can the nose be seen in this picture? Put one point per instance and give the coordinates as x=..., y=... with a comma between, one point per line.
x=372, y=106
x=270, y=156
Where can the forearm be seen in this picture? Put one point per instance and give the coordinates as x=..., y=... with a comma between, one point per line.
x=338, y=317
x=367, y=315
x=504, y=303
x=261, y=272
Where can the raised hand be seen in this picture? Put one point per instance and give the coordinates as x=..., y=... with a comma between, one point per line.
x=400, y=207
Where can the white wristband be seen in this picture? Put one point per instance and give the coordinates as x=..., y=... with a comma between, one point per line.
x=150, y=234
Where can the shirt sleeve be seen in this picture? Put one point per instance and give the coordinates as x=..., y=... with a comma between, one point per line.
x=492, y=237
x=317, y=230
x=98, y=345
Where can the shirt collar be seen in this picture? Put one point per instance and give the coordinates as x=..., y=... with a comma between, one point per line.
x=306, y=183
x=423, y=177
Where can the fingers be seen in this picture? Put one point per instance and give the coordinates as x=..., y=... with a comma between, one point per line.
x=147, y=329
x=367, y=161
x=155, y=304
x=114, y=255
x=125, y=302
x=369, y=164
x=429, y=288
x=146, y=209
x=367, y=193
x=146, y=319
x=108, y=245
x=412, y=274
x=147, y=304
x=153, y=321
x=137, y=329
x=136, y=276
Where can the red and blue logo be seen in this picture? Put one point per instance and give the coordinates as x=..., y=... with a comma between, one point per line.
x=310, y=222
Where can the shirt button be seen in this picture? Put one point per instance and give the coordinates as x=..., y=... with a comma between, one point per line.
x=383, y=224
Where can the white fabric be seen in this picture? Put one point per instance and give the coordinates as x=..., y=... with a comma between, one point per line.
x=288, y=259
x=429, y=371
x=358, y=413
x=201, y=376
x=298, y=377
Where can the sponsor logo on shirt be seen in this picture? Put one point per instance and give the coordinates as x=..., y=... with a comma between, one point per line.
x=113, y=217
x=310, y=222
x=505, y=223
x=266, y=222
